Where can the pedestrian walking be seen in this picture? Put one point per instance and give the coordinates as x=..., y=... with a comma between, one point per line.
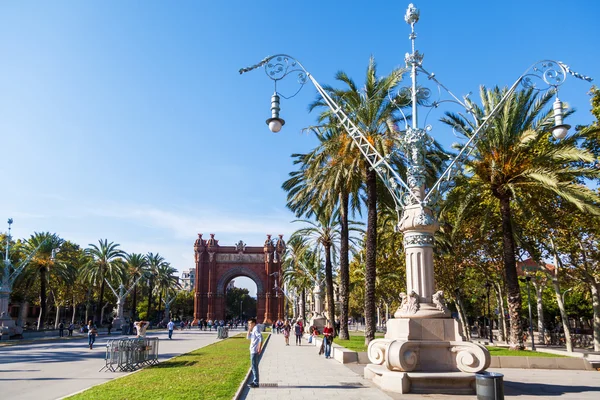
x=110, y=326
x=298, y=332
x=61, y=329
x=255, y=347
x=92, y=333
x=328, y=339
x=71, y=328
x=170, y=327
x=210, y=324
x=286, y=332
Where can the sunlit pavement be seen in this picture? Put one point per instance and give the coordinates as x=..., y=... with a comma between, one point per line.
x=43, y=370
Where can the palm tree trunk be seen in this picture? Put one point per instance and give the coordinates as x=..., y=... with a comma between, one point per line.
x=100, y=300
x=512, y=280
x=150, y=290
x=43, y=299
x=134, y=306
x=344, y=266
x=159, y=301
x=303, y=304
x=371, y=256
x=329, y=282
x=74, y=309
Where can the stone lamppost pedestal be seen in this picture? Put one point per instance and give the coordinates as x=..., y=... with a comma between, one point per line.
x=424, y=349
x=317, y=319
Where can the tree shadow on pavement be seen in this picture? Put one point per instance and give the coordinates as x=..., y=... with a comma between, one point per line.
x=544, y=389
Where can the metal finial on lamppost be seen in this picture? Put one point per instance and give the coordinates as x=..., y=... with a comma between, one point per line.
x=8, y=237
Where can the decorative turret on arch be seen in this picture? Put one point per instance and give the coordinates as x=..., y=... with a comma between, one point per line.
x=216, y=265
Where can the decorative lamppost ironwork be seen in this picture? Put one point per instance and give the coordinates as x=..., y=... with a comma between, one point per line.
x=414, y=201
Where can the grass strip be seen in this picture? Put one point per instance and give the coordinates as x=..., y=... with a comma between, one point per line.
x=355, y=343
x=503, y=351
x=211, y=372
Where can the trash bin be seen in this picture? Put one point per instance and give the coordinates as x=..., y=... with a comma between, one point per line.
x=489, y=386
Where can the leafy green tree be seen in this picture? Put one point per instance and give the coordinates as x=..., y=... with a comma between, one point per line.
x=515, y=159
x=238, y=300
x=183, y=305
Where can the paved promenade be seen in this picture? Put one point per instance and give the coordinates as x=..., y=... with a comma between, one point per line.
x=299, y=373
x=51, y=369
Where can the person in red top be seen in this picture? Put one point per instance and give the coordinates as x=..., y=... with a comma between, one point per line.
x=328, y=339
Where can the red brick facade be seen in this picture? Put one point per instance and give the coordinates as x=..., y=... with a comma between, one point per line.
x=217, y=265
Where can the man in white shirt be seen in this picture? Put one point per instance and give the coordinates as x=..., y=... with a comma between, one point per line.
x=255, y=347
x=170, y=327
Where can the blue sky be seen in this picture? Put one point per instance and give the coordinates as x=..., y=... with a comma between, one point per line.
x=129, y=120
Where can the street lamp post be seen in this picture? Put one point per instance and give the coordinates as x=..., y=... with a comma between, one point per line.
x=241, y=316
x=489, y=315
x=422, y=309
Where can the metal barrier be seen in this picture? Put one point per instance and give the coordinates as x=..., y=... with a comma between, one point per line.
x=222, y=332
x=130, y=354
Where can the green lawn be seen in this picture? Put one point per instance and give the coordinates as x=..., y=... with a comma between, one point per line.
x=503, y=351
x=356, y=342
x=212, y=372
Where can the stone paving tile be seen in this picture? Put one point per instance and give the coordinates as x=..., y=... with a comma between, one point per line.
x=301, y=373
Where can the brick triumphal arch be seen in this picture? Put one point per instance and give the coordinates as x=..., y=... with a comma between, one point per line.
x=217, y=265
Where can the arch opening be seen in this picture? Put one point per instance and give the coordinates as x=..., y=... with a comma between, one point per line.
x=240, y=299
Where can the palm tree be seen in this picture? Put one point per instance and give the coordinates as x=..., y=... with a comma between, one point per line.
x=324, y=235
x=300, y=268
x=137, y=266
x=44, y=247
x=374, y=113
x=106, y=262
x=329, y=177
x=515, y=158
x=154, y=263
x=166, y=282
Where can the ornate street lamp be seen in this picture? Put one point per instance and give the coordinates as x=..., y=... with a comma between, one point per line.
x=422, y=309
